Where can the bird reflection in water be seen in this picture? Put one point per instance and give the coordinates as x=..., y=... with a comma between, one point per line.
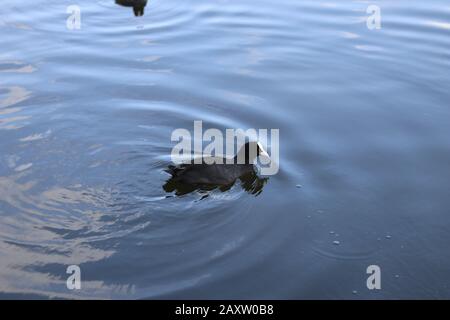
x=138, y=5
x=250, y=182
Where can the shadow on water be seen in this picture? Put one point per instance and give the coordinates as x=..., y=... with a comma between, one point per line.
x=249, y=181
x=138, y=6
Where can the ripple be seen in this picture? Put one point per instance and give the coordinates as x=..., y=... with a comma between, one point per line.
x=14, y=95
x=16, y=67
x=341, y=253
x=438, y=24
x=36, y=136
x=23, y=167
x=9, y=117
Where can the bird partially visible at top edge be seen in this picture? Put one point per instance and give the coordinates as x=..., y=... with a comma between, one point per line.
x=138, y=6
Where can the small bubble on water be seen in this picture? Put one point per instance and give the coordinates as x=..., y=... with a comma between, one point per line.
x=336, y=243
x=355, y=292
x=388, y=237
x=397, y=276
x=331, y=232
x=298, y=186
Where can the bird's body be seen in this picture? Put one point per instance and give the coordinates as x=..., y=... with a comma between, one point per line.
x=215, y=172
x=204, y=173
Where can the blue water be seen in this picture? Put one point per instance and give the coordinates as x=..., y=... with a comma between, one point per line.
x=85, y=122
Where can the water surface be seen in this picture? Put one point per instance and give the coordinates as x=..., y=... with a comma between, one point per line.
x=85, y=123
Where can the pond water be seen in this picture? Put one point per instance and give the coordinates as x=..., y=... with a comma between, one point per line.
x=86, y=117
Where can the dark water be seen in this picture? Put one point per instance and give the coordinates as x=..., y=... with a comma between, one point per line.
x=85, y=123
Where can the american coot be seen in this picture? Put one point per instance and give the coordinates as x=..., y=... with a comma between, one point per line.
x=138, y=5
x=207, y=175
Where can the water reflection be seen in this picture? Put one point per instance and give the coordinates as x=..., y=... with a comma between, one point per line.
x=138, y=5
x=39, y=243
x=10, y=96
x=16, y=66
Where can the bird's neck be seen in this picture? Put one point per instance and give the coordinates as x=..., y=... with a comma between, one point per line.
x=243, y=157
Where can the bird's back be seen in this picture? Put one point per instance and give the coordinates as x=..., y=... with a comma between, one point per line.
x=204, y=173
